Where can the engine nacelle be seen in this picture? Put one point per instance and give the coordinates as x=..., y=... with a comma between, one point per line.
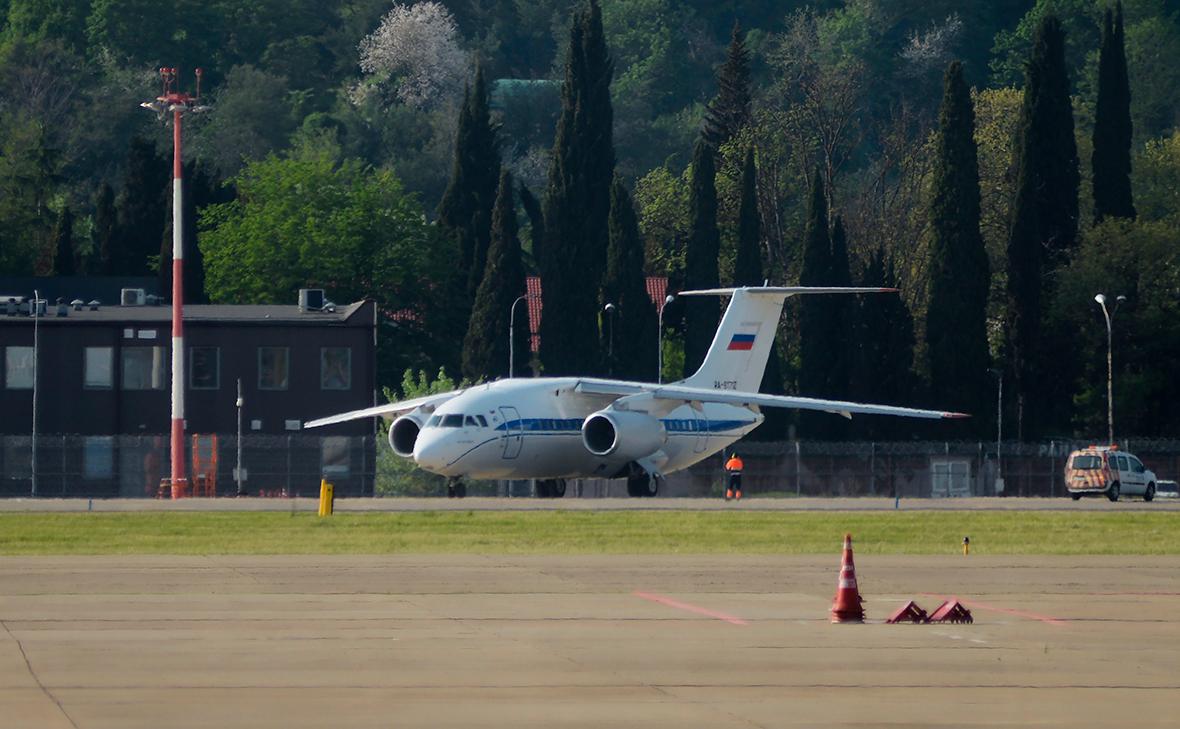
x=622, y=435
x=404, y=432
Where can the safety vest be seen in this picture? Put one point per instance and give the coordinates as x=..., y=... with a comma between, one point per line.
x=734, y=464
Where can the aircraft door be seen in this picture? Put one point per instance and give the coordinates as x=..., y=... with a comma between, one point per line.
x=513, y=432
x=701, y=427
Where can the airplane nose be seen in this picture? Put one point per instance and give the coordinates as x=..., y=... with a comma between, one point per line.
x=430, y=452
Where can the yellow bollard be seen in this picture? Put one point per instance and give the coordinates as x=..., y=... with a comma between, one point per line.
x=326, y=498
x=966, y=546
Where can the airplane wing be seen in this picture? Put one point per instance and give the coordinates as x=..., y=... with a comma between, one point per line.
x=387, y=410
x=680, y=393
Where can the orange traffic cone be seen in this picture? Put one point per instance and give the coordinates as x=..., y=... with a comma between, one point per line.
x=847, y=606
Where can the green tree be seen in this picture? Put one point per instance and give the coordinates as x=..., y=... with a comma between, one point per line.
x=747, y=271
x=701, y=313
x=883, y=352
x=63, y=244
x=485, y=348
x=1044, y=228
x=1111, y=158
x=630, y=331
x=103, y=242
x=466, y=207
x=29, y=179
x=729, y=111
x=577, y=203
x=818, y=343
x=312, y=219
x=142, y=208
x=959, y=279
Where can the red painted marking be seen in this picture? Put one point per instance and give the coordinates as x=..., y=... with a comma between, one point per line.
x=1007, y=611
x=664, y=600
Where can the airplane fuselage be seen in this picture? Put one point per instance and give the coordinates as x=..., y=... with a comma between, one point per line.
x=532, y=428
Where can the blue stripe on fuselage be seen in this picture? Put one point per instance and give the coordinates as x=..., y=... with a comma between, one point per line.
x=553, y=426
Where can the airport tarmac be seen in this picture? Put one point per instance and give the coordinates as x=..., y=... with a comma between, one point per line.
x=621, y=641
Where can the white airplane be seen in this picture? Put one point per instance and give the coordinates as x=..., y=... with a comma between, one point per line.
x=551, y=429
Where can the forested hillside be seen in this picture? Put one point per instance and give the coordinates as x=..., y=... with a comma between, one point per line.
x=1000, y=161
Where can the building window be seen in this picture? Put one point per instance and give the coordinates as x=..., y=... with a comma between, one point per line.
x=334, y=456
x=18, y=368
x=143, y=368
x=98, y=457
x=204, y=368
x=273, y=368
x=97, y=368
x=335, y=368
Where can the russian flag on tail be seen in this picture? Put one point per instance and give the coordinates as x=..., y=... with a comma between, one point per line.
x=741, y=342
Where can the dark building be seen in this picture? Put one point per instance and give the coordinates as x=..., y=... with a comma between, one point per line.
x=103, y=395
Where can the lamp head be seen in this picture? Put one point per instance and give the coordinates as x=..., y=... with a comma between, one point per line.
x=609, y=308
x=669, y=299
x=1101, y=299
x=1120, y=299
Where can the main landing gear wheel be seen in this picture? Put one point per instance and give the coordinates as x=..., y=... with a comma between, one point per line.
x=641, y=485
x=456, y=489
x=550, y=488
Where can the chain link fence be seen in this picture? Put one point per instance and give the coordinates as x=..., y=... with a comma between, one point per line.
x=130, y=466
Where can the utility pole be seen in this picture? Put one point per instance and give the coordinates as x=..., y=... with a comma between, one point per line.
x=36, y=346
x=179, y=103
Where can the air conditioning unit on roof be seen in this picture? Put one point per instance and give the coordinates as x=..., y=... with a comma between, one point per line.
x=132, y=297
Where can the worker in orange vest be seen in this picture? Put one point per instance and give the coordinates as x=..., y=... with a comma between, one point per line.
x=734, y=467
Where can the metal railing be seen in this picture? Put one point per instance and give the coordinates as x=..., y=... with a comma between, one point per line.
x=131, y=466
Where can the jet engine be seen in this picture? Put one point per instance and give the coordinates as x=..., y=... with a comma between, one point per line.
x=622, y=435
x=404, y=432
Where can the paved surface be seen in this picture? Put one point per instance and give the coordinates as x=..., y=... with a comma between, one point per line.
x=677, y=641
x=657, y=504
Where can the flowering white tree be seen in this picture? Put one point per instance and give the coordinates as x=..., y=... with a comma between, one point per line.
x=417, y=48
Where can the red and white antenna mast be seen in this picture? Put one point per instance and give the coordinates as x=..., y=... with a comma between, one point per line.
x=172, y=100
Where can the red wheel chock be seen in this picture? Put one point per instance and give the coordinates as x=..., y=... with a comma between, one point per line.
x=909, y=613
x=951, y=611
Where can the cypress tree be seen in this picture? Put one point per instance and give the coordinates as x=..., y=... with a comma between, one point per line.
x=747, y=271
x=1111, y=158
x=63, y=243
x=956, y=319
x=142, y=209
x=577, y=203
x=729, y=111
x=701, y=313
x=1044, y=225
x=883, y=352
x=485, y=348
x=466, y=206
x=532, y=210
x=630, y=332
x=816, y=350
x=103, y=234
x=840, y=308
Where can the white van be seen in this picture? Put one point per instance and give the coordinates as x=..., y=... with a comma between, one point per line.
x=1107, y=470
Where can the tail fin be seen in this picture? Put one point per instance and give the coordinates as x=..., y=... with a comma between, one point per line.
x=737, y=358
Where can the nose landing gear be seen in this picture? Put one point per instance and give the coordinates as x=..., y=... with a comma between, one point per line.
x=456, y=489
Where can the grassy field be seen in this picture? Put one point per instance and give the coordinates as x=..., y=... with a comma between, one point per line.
x=582, y=532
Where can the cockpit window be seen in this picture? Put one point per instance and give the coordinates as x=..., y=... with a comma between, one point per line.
x=452, y=421
x=470, y=422
x=434, y=421
x=483, y=422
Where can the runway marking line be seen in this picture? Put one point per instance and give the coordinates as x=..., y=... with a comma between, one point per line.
x=669, y=602
x=1007, y=611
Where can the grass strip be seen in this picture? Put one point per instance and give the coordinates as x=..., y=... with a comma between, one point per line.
x=589, y=532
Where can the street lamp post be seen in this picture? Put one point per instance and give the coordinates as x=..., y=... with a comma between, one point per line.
x=610, y=310
x=660, y=340
x=178, y=103
x=512, y=332
x=36, y=346
x=1108, y=315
